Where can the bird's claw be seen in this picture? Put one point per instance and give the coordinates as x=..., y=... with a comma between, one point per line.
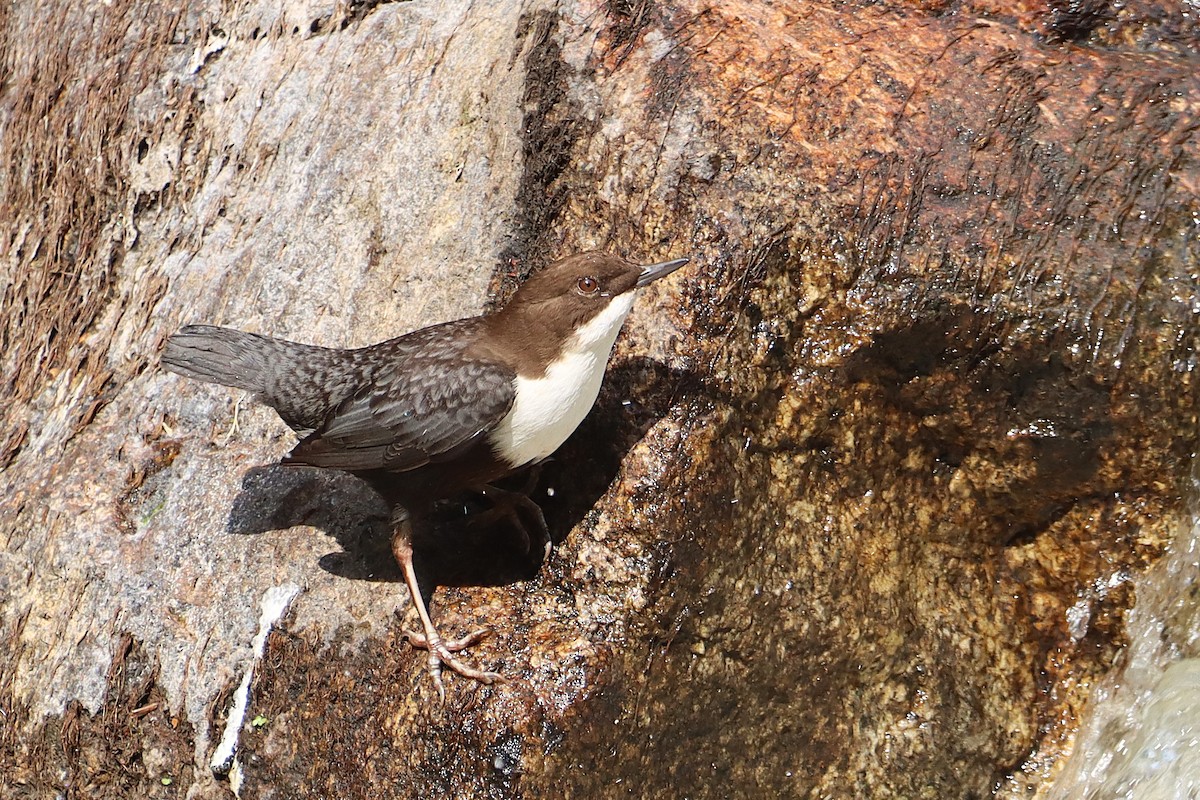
x=421, y=642
x=507, y=505
x=441, y=654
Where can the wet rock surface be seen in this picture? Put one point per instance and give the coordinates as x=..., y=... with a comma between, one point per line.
x=864, y=502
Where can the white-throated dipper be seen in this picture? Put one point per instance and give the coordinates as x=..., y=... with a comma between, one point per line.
x=441, y=410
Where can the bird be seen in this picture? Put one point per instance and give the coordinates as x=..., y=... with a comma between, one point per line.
x=439, y=411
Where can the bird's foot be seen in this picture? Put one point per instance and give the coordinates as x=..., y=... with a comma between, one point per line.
x=441, y=654
x=508, y=506
x=441, y=651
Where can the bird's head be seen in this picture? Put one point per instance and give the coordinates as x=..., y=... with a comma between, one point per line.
x=588, y=294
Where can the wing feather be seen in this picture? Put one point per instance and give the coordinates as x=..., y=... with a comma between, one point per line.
x=421, y=401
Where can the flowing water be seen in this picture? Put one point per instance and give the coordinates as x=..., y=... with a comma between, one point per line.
x=1142, y=740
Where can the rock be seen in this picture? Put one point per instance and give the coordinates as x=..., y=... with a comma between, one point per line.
x=872, y=482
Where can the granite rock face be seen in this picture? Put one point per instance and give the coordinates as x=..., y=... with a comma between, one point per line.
x=864, y=502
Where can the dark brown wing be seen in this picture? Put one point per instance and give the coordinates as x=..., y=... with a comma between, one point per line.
x=421, y=400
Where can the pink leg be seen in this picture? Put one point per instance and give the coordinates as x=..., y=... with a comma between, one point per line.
x=441, y=651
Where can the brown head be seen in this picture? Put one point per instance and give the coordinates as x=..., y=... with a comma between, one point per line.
x=578, y=301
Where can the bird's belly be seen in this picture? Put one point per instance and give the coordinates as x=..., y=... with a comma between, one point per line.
x=547, y=410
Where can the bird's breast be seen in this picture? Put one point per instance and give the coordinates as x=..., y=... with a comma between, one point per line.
x=549, y=407
x=547, y=410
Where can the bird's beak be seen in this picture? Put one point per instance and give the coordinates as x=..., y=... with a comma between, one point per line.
x=656, y=271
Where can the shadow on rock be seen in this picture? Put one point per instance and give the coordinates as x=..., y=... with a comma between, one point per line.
x=462, y=546
x=275, y=497
x=637, y=394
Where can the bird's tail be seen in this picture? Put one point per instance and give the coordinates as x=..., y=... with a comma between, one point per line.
x=302, y=382
x=224, y=356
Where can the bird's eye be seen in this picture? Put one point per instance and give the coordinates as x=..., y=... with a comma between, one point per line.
x=588, y=285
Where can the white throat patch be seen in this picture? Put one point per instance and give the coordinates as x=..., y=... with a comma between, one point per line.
x=548, y=409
